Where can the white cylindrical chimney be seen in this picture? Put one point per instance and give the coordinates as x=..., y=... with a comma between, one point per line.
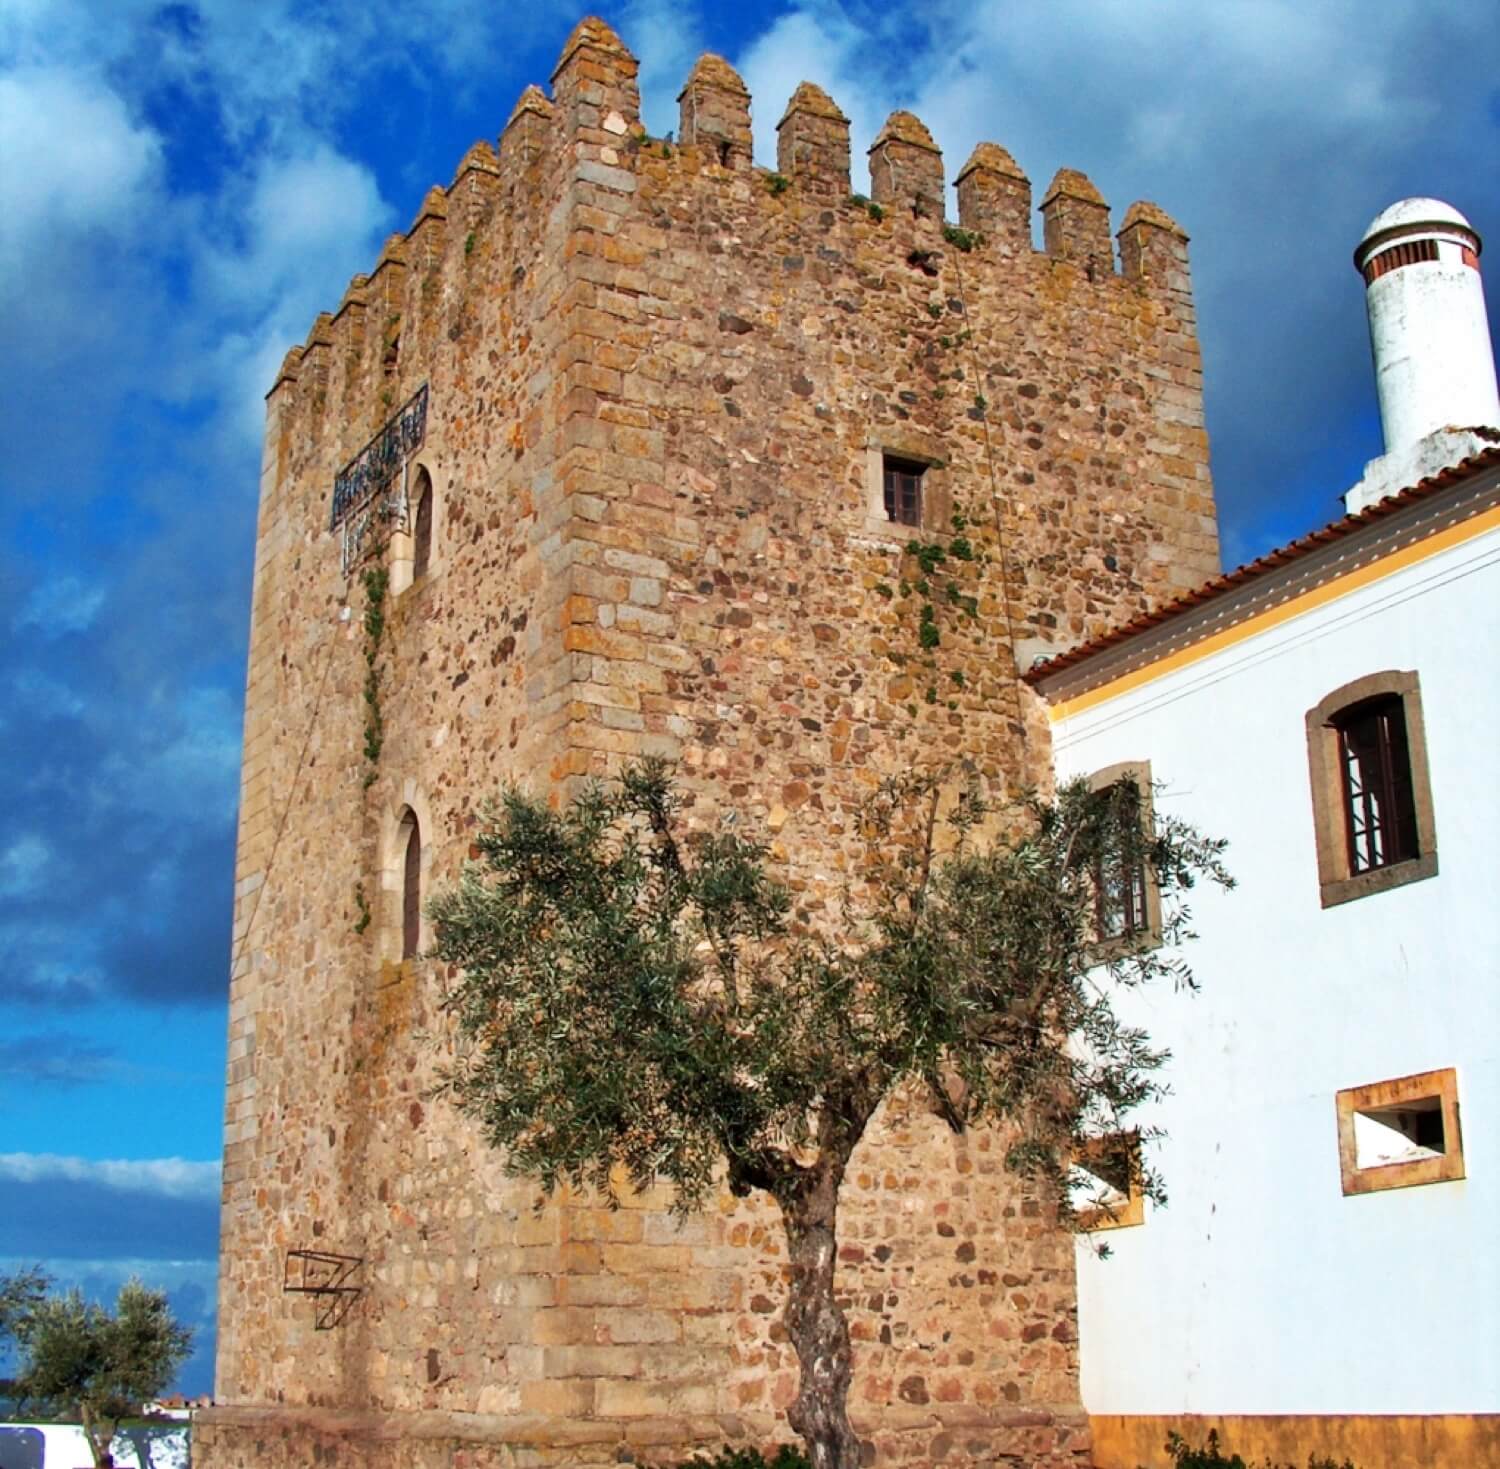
x=1434, y=366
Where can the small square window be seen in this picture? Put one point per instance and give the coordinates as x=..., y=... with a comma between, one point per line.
x=1107, y=1183
x=903, y=490
x=1395, y=1134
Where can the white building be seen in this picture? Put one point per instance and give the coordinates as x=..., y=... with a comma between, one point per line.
x=1326, y=1276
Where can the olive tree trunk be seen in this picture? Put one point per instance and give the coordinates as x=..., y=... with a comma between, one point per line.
x=100, y=1436
x=814, y=1321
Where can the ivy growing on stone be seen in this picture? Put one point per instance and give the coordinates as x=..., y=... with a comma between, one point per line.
x=376, y=580
x=962, y=239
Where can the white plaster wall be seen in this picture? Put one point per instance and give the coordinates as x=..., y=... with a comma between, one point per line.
x=1260, y=1288
x=1434, y=366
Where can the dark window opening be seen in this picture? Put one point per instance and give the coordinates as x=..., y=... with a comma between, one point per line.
x=1109, y=1182
x=1411, y=1129
x=1120, y=872
x=724, y=155
x=1113, y=1163
x=903, y=490
x=422, y=528
x=1380, y=816
x=411, y=894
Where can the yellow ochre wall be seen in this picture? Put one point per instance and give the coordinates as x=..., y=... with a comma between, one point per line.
x=1370, y=1441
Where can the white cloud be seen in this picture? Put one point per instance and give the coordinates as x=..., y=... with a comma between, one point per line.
x=173, y=1178
x=667, y=40
x=306, y=224
x=23, y=866
x=817, y=44
x=65, y=604
x=75, y=164
x=295, y=212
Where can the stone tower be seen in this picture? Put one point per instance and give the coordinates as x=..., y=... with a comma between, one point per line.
x=639, y=435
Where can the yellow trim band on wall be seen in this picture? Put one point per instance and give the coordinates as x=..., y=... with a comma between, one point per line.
x=1308, y=601
x=1370, y=1440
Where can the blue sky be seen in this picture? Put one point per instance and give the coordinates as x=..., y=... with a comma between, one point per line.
x=184, y=185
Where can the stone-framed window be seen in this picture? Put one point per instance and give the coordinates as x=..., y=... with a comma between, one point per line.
x=415, y=553
x=906, y=490
x=1108, y=1183
x=1372, y=800
x=1127, y=900
x=1396, y=1134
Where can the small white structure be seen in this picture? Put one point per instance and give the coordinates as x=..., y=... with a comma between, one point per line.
x=1325, y=1277
x=1434, y=366
x=66, y=1446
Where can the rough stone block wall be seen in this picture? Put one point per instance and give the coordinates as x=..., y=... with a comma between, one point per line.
x=660, y=382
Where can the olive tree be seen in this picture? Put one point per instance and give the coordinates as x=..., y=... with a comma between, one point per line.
x=634, y=1002
x=80, y=1357
x=20, y=1294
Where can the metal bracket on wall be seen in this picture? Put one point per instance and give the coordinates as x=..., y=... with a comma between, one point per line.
x=326, y=1276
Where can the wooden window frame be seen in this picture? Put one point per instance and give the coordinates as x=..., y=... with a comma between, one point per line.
x=1337, y=880
x=917, y=450
x=1383, y=1095
x=913, y=471
x=1149, y=934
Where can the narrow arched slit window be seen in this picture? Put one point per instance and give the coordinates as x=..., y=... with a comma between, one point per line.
x=411, y=890
x=422, y=527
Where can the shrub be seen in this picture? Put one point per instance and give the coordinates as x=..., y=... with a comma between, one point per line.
x=1210, y=1457
x=785, y=1457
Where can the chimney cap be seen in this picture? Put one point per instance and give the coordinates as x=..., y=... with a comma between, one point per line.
x=1409, y=217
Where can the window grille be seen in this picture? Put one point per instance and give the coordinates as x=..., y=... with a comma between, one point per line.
x=1380, y=818
x=1120, y=879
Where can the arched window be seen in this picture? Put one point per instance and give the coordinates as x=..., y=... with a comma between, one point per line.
x=422, y=527
x=1372, y=803
x=411, y=889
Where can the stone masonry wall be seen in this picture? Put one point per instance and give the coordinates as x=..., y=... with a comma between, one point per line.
x=660, y=382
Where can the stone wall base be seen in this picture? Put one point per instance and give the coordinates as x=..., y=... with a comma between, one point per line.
x=1368, y=1440
x=330, y=1438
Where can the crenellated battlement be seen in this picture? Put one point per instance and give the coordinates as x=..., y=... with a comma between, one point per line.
x=497, y=214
